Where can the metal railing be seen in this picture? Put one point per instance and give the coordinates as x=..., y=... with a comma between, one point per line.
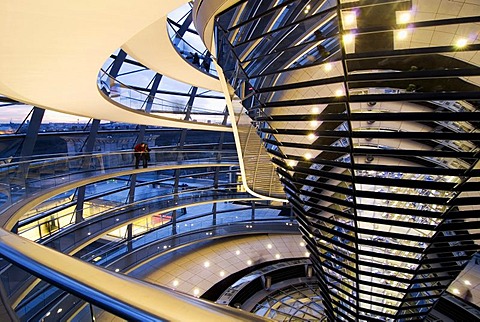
x=20, y=180
x=135, y=99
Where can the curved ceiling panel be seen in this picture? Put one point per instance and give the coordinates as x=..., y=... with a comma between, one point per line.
x=162, y=57
x=52, y=53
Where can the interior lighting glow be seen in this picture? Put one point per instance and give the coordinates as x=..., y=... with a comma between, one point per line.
x=315, y=110
x=308, y=156
x=314, y=123
x=404, y=17
x=456, y=291
x=96, y=259
x=48, y=313
x=307, y=254
x=467, y=282
x=402, y=34
x=196, y=292
x=59, y=310
x=175, y=283
x=237, y=252
x=462, y=42
x=311, y=136
x=302, y=244
x=338, y=93
x=349, y=19
x=269, y=246
x=222, y=273
x=348, y=38
x=206, y=264
x=117, y=270
x=249, y=262
x=328, y=67
x=291, y=163
x=277, y=256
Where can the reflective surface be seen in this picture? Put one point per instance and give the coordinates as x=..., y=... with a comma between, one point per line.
x=371, y=112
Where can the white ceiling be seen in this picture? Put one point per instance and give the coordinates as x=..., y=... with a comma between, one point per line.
x=51, y=52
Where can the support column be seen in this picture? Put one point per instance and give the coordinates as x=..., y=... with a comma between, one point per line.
x=253, y=210
x=29, y=145
x=129, y=237
x=181, y=145
x=32, y=132
x=183, y=29
x=88, y=149
x=141, y=133
x=217, y=169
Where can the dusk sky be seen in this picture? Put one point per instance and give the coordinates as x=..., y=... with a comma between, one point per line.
x=17, y=113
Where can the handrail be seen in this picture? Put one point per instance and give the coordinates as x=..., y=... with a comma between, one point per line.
x=146, y=252
x=126, y=260
x=207, y=69
x=111, y=86
x=65, y=205
x=23, y=179
x=50, y=188
x=156, y=233
x=48, y=157
x=77, y=236
x=105, y=289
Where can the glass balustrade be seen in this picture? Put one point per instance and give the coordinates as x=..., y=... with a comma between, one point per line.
x=20, y=180
x=202, y=60
x=135, y=99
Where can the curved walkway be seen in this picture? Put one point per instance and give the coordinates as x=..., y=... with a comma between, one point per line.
x=53, y=52
x=162, y=57
x=142, y=302
x=13, y=214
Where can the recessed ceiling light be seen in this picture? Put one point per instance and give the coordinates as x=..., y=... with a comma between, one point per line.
x=404, y=17
x=348, y=38
x=402, y=34
x=349, y=19
x=462, y=42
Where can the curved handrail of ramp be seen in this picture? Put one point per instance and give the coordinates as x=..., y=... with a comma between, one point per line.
x=105, y=289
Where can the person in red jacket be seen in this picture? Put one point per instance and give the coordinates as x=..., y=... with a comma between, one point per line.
x=140, y=152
